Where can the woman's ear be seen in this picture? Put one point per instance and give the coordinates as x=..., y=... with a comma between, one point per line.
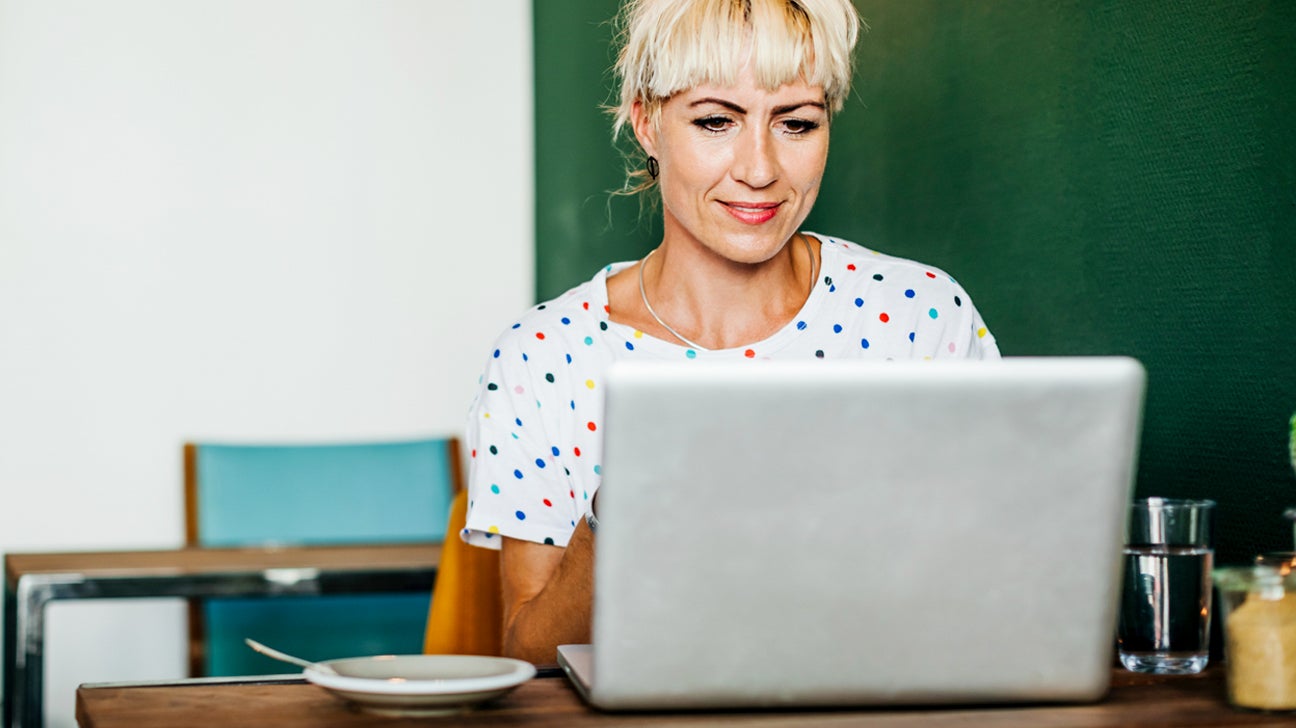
x=644, y=129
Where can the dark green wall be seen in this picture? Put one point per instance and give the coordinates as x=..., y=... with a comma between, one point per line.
x=1105, y=177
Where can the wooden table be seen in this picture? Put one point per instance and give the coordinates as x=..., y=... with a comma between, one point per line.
x=549, y=701
x=33, y=580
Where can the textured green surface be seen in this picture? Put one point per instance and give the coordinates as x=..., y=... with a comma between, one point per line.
x=1105, y=177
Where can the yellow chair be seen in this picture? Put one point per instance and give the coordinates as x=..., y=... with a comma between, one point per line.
x=467, y=612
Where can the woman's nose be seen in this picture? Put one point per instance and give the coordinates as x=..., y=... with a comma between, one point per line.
x=754, y=162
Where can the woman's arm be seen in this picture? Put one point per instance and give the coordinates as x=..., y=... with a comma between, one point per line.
x=548, y=595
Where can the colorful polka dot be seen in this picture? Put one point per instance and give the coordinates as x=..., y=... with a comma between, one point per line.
x=541, y=473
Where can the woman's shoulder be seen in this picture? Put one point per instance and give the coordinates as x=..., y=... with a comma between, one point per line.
x=573, y=315
x=846, y=257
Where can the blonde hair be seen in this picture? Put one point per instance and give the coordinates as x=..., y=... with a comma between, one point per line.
x=669, y=46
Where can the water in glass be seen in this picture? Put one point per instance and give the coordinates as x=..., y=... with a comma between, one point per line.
x=1165, y=609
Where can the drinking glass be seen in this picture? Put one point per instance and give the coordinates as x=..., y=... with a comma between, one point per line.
x=1166, y=595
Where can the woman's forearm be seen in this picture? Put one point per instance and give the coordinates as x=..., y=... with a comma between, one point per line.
x=559, y=613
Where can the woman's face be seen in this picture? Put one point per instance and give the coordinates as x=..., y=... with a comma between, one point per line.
x=740, y=166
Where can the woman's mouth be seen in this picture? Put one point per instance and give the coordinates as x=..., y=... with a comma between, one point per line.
x=752, y=213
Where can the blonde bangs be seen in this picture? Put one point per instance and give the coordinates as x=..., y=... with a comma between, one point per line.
x=669, y=46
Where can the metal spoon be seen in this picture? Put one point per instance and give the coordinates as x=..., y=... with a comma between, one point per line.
x=285, y=657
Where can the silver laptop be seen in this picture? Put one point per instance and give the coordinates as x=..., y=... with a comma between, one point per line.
x=833, y=534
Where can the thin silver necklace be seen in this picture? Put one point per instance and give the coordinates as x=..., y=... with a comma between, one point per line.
x=814, y=273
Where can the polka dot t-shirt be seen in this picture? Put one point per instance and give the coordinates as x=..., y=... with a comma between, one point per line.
x=534, y=427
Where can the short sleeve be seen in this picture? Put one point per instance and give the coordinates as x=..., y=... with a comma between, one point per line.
x=973, y=339
x=516, y=485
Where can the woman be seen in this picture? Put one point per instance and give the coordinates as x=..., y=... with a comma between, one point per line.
x=730, y=102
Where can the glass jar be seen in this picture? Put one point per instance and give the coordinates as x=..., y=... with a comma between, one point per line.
x=1258, y=607
x=1284, y=561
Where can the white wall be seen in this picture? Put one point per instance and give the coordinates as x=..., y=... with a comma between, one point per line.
x=239, y=219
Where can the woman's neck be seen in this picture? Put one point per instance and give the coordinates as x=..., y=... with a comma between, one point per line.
x=710, y=300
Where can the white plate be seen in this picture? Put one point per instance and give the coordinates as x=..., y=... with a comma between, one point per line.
x=421, y=684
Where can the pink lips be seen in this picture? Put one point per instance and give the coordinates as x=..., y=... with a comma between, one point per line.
x=752, y=213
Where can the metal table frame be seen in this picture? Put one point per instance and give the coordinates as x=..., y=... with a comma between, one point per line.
x=32, y=581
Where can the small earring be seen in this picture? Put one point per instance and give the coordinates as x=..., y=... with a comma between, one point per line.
x=653, y=167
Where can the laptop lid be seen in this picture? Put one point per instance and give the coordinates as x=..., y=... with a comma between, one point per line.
x=823, y=533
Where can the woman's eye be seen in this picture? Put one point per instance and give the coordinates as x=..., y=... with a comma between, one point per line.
x=800, y=126
x=712, y=123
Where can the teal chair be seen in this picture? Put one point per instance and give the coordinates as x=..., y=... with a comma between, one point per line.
x=259, y=495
